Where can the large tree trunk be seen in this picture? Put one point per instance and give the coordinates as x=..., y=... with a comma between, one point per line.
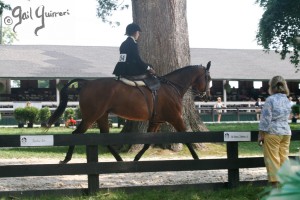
x=164, y=40
x=164, y=43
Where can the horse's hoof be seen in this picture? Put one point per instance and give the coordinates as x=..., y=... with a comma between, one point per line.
x=136, y=159
x=63, y=162
x=196, y=157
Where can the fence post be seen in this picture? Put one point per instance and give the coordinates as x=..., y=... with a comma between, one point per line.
x=93, y=179
x=232, y=156
x=212, y=114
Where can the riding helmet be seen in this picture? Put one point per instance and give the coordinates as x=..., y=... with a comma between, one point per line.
x=132, y=28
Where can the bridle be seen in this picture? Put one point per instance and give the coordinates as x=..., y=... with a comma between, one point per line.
x=203, y=95
x=195, y=92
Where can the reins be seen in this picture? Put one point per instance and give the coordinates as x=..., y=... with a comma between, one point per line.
x=168, y=82
x=175, y=86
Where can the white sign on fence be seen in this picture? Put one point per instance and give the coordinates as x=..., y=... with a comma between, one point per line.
x=36, y=140
x=237, y=136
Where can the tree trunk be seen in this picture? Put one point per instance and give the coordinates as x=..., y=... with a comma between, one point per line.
x=164, y=43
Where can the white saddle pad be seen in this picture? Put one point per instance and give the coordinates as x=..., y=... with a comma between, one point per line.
x=132, y=83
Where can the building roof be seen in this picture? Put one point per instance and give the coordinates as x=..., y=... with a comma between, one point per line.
x=66, y=62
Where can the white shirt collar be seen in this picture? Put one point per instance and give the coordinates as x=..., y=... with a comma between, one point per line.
x=133, y=39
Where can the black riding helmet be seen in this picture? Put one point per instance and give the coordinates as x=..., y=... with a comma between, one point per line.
x=132, y=28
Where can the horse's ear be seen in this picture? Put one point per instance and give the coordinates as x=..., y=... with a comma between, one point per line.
x=208, y=65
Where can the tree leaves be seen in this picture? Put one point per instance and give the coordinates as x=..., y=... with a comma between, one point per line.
x=4, y=6
x=279, y=27
x=106, y=8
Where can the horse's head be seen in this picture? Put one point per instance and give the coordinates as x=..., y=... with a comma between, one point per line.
x=200, y=87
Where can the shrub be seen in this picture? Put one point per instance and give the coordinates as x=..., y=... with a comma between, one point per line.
x=19, y=115
x=289, y=178
x=69, y=112
x=296, y=109
x=44, y=115
x=78, y=113
x=31, y=114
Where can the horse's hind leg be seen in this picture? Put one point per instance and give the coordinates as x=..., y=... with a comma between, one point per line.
x=114, y=153
x=79, y=130
x=103, y=125
x=68, y=155
x=153, y=127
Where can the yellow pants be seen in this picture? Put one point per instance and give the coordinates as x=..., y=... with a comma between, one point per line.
x=276, y=151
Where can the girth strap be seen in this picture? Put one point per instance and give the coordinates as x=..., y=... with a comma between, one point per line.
x=155, y=100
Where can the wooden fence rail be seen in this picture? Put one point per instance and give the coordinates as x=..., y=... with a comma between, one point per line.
x=93, y=168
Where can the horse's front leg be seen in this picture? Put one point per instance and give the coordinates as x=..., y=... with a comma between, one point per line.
x=153, y=127
x=192, y=151
x=180, y=127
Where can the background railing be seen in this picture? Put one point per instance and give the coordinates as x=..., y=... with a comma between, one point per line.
x=235, y=111
x=229, y=114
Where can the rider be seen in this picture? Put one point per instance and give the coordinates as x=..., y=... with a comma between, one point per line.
x=130, y=62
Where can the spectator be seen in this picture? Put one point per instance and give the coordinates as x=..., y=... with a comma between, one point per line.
x=219, y=105
x=298, y=101
x=291, y=104
x=291, y=101
x=258, y=107
x=274, y=129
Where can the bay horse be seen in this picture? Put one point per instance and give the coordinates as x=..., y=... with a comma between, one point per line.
x=98, y=98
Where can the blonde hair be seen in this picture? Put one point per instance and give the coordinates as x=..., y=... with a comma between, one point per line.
x=278, y=85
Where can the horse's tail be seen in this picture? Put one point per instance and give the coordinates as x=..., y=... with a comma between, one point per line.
x=62, y=103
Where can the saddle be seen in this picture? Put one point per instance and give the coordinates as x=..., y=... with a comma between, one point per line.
x=148, y=80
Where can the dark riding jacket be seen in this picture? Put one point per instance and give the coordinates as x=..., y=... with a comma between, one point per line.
x=130, y=62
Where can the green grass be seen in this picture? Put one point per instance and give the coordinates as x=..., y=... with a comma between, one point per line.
x=251, y=148
x=45, y=152
x=241, y=126
x=233, y=126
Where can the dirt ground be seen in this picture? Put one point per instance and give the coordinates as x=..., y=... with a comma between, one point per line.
x=118, y=180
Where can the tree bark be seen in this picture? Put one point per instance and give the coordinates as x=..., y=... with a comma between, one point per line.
x=164, y=43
